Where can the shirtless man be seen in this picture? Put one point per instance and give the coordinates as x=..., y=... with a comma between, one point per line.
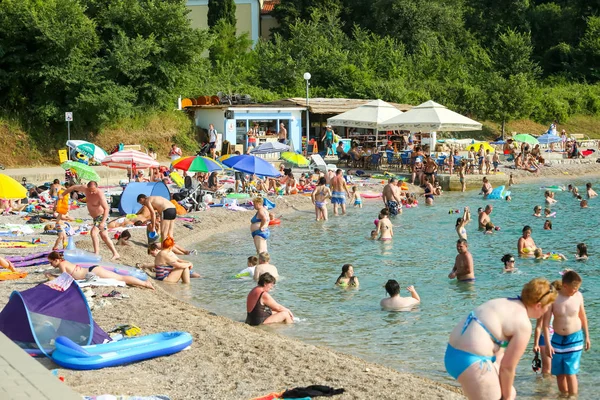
x=395, y=302
x=589, y=191
x=165, y=208
x=391, y=197
x=571, y=334
x=340, y=190
x=484, y=217
x=264, y=265
x=463, y=265
x=282, y=135
x=430, y=168
x=99, y=210
x=319, y=198
x=526, y=245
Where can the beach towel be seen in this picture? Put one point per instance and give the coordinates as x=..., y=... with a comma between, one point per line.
x=100, y=282
x=311, y=391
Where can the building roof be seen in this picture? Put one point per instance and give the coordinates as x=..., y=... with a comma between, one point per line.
x=320, y=105
x=268, y=6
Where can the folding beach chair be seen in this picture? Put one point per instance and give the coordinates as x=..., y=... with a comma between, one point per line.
x=316, y=161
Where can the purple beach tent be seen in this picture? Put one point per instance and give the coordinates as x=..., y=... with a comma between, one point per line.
x=35, y=317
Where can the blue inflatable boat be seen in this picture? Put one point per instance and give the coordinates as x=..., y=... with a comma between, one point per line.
x=69, y=354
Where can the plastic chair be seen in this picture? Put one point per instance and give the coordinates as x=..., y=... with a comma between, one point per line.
x=375, y=161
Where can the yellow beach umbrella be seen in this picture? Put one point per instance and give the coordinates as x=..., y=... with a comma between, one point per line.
x=11, y=189
x=294, y=158
x=486, y=146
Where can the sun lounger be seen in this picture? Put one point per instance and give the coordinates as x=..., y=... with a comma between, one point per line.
x=316, y=161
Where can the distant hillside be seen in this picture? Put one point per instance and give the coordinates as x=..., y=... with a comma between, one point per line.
x=155, y=129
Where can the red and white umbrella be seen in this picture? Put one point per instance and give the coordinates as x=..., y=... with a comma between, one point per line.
x=130, y=158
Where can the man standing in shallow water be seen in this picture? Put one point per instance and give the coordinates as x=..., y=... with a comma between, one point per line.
x=99, y=210
x=463, y=265
x=339, y=192
x=391, y=197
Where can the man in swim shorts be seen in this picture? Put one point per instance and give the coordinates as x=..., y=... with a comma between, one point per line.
x=165, y=208
x=99, y=210
x=571, y=334
x=463, y=264
x=339, y=192
x=391, y=197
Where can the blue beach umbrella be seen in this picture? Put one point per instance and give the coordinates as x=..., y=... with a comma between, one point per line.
x=251, y=165
x=548, y=138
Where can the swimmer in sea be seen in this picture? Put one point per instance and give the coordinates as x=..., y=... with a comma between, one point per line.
x=484, y=216
x=548, y=225
x=461, y=224
x=575, y=191
x=384, y=226
x=355, y=197
x=548, y=213
x=589, y=191
x=526, y=245
x=582, y=254
x=463, y=269
x=429, y=191
x=347, y=277
x=373, y=234
x=550, y=197
x=395, y=302
x=511, y=181
x=583, y=204
x=489, y=229
x=487, y=188
x=319, y=198
x=537, y=211
x=509, y=263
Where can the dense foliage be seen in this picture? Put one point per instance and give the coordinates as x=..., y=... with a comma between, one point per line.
x=108, y=59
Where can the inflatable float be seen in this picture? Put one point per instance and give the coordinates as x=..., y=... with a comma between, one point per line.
x=275, y=221
x=553, y=188
x=498, y=193
x=370, y=195
x=238, y=196
x=76, y=256
x=30, y=260
x=69, y=354
x=116, y=268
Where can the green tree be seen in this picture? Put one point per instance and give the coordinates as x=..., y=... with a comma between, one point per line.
x=221, y=10
x=488, y=19
x=289, y=12
x=226, y=48
x=589, y=49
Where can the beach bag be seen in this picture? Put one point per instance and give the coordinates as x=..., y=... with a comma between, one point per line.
x=336, y=138
x=179, y=208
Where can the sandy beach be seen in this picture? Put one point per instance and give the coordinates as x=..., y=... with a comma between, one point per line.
x=228, y=359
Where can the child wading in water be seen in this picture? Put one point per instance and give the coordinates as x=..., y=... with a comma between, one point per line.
x=570, y=327
x=356, y=197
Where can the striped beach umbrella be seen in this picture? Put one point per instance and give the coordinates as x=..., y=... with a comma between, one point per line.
x=197, y=164
x=130, y=158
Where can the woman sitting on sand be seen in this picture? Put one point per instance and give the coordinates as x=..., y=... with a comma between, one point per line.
x=261, y=308
x=259, y=225
x=347, y=277
x=122, y=222
x=485, y=347
x=395, y=302
x=526, y=245
x=78, y=273
x=168, y=267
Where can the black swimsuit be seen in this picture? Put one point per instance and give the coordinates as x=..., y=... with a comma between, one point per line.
x=259, y=313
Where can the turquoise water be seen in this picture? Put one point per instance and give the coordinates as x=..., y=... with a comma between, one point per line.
x=309, y=257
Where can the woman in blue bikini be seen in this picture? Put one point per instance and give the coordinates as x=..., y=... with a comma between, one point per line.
x=259, y=225
x=484, y=348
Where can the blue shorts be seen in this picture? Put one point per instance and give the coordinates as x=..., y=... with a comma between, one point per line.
x=567, y=353
x=338, y=198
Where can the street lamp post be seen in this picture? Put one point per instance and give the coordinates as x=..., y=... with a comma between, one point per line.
x=307, y=79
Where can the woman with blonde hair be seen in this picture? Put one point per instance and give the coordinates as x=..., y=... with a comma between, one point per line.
x=485, y=347
x=259, y=225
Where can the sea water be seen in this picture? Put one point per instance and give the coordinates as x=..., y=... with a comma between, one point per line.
x=309, y=256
